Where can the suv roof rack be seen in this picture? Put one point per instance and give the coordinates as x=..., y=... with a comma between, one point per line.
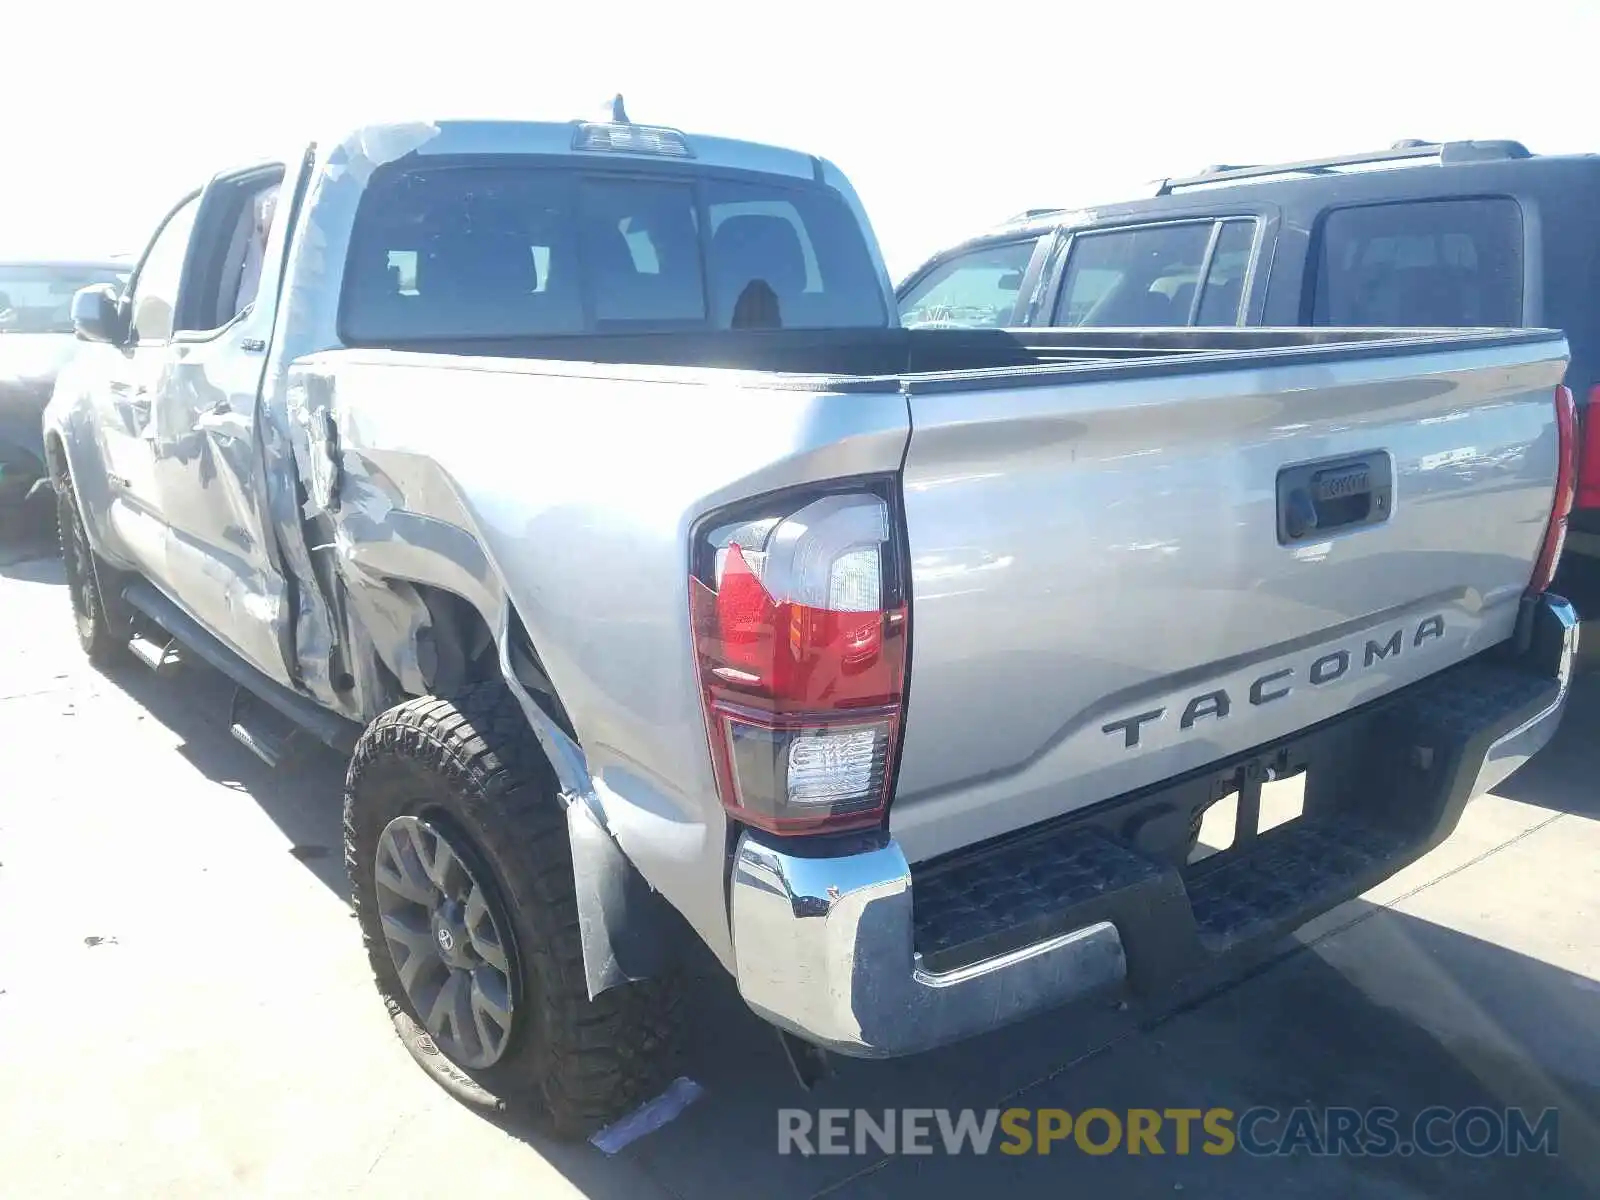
x=1029, y=214
x=1401, y=151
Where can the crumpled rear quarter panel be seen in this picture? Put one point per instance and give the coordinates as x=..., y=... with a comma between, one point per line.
x=580, y=485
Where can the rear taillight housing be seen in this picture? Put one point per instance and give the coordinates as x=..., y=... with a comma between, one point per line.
x=1555, y=532
x=800, y=632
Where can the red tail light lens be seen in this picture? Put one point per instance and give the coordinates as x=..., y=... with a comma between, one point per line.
x=800, y=629
x=1555, y=533
x=1589, y=458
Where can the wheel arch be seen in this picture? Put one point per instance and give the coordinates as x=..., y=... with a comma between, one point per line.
x=629, y=930
x=73, y=466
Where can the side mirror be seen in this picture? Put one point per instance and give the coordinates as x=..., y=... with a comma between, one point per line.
x=97, y=316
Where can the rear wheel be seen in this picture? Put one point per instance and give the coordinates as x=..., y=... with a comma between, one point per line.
x=461, y=870
x=100, y=633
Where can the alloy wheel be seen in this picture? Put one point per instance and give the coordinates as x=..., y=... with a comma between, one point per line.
x=449, y=939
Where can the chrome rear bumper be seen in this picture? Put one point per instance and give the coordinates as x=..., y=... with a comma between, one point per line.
x=1555, y=642
x=825, y=942
x=824, y=950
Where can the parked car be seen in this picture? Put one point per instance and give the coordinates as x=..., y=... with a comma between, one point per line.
x=35, y=339
x=1421, y=234
x=577, y=479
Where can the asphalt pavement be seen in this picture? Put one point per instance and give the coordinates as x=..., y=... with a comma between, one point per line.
x=185, y=1009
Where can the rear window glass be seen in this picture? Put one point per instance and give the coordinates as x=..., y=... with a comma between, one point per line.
x=1440, y=263
x=1134, y=277
x=469, y=252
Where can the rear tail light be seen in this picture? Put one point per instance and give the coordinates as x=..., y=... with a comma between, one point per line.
x=1589, y=458
x=1555, y=533
x=800, y=631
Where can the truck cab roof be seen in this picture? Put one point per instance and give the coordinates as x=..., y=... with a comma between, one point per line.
x=612, y=137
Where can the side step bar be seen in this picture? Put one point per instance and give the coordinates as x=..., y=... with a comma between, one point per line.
x=158, y=656
x=264, y=733
x=327, y=727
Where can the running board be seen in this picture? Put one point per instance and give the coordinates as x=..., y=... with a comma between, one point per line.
x=158, y=656
x=327, y=727
x=252, y=726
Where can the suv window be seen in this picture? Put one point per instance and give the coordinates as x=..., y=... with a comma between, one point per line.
x=1147, y=276
x=1439, y=263
x=155, y=288
x=977, y=289
x=509, y=251
x=1230, y=268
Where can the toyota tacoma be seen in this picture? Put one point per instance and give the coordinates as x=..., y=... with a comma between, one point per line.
x=579, y=482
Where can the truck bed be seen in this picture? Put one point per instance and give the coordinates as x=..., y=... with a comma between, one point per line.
x=881, y=356
x=1092, y=524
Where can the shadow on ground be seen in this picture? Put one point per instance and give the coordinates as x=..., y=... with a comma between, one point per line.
x=1353, y=1021
x=1386, y=1009
x=1562, y=777
x=303, y=795
x=27, y=536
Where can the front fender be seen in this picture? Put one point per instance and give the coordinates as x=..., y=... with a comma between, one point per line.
x=75, y=456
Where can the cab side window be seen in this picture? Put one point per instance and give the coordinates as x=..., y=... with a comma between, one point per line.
x=978, y=289
x=155, y=288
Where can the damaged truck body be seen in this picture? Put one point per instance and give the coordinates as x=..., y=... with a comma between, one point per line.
x=577, y=480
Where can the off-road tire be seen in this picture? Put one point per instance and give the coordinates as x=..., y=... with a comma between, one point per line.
x=472, y=765
x=101, y=626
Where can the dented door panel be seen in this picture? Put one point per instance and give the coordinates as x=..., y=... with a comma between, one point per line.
x=219, y=559
x=208, y=474
x=123, y=411
x=332, y=655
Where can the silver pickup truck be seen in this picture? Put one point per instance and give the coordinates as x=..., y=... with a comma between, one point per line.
x=578, y=481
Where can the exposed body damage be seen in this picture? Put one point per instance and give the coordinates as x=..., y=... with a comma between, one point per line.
x=319, y=522
x=578, y=481
x=588, y=557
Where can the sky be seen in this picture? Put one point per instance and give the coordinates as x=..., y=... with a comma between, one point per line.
x=947, y=119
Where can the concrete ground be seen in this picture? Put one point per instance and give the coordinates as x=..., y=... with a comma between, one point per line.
x=185, y=1011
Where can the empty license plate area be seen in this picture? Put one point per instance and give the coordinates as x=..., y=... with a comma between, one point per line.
x=1319, y=498
x=1251, y=800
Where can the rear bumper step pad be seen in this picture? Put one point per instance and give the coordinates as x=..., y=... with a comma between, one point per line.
x=1402, y=772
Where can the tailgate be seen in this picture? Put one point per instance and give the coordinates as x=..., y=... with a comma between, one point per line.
x=1124, y=573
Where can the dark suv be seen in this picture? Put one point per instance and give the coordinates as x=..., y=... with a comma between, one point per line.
x=1421, y=234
